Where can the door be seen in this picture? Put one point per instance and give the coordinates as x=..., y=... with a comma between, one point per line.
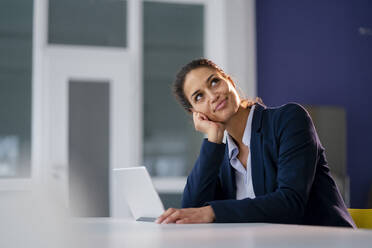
x=91, y=104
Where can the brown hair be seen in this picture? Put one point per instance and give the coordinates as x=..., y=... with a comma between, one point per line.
x=194, y=64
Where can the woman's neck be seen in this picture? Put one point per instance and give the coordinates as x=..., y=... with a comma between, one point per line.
x=236, y=124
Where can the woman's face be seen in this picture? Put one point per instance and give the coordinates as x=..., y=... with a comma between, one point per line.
x=211, y=94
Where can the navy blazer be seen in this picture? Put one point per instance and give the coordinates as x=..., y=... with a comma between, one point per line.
x=291, y=179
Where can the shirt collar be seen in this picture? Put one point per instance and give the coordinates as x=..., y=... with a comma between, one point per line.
x=233, y=148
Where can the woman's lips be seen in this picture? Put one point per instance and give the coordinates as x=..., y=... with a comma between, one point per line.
x=221, y=105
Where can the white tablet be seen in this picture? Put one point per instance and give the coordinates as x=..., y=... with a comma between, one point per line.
x=139, y=192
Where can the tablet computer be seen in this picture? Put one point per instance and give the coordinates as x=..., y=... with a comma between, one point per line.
x=139, y=192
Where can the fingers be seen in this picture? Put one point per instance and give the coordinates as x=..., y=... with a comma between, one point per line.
x=174, y=217
x=200, y=116
x=203, y=117
x=201, y=122
x=187, y=216
x=178, y=216
x=171, y=215
x=165, y=215
x=183, y=221
x=194, y=116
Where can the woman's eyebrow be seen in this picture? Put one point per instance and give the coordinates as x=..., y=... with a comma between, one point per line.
x=209, y=78
x=194, y=93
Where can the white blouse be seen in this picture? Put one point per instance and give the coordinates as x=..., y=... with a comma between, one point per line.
x=243, y=176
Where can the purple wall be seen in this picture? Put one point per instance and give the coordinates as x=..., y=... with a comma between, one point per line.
x=314, y=52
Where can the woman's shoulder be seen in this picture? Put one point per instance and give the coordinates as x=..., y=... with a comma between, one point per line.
x=291, y=108
x=289, y=113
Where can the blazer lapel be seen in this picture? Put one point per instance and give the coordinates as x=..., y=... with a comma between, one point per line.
x=258, y=173
x=231, y=184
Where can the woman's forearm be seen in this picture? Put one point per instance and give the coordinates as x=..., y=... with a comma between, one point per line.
x=203, y=183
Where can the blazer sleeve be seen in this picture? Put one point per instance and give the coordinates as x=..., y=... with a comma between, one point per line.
x=297, y=159
x=203, y=183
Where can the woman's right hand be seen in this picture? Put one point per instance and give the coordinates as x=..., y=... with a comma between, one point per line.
x=214, y=130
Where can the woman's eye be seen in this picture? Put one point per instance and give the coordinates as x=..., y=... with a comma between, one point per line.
x=214, y=82
x=198, y=97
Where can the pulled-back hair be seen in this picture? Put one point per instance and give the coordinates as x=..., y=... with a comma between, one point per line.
x=194, y=64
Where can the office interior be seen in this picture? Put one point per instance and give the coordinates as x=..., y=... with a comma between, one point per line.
x=86, y=88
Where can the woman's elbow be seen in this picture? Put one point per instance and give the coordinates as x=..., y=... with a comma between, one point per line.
x=294, y=207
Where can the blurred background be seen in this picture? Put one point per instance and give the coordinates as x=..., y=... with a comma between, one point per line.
x=85, y=87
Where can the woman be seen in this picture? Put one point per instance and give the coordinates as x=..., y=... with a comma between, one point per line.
x=272, y=168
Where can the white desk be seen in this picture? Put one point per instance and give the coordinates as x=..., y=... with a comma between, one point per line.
x=38, y=222
x=110, y=233
x=39, y=231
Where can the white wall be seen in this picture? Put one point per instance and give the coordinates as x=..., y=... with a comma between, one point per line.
x=241, y=44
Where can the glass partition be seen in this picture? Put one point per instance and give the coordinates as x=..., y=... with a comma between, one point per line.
x=88, y=22
x=173, y=35
x=330, y=123
x=16, y=20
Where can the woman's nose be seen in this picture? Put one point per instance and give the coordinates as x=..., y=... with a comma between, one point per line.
x=213, y=96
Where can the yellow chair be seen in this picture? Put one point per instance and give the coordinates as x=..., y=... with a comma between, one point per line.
x=362, y=217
